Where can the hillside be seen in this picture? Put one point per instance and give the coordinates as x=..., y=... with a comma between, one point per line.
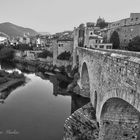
x=13, y=30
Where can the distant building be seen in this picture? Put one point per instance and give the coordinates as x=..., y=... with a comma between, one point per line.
x=90, y=37
x=65, y=43
x=3, y=40
x=38, y=42
x=62, y=43
x=127, y=29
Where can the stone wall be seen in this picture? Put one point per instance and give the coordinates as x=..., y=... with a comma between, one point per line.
x=127, y=28
x=132, y=20
x=65, y=46
x=58, y=49
x=119, y=120
x=111, y=75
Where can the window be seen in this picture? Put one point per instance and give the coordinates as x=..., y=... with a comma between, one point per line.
x=95, y=46
x=60, y=45
x=101, y=46
x=108, y=47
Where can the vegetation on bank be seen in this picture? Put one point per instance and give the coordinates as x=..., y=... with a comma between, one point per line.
x=9, y=82
x=64, y=56
x=6, y=54
x=134, y=45
x=45, y=54
x=23, y=47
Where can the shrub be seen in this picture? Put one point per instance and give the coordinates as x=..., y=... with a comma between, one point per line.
x=23, y=47
x=2, y=46
x=134, y=45
x=64, y=56
x=45, y=54
x=7, y=54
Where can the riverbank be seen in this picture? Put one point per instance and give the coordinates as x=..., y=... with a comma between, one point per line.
x=47, y=68
x=8, y=82
x=64, y=73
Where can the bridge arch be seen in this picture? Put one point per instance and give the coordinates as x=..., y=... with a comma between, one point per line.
x=131, y=98
x=85, y=80
x=119, y=120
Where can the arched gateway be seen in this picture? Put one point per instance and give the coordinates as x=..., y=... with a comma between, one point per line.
x=85, y=82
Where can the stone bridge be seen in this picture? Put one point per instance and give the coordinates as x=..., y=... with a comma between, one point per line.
x=111, y=78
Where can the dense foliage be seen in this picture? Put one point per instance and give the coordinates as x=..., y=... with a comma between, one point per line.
x=45, y=54
x=101, y=23
x=64, y=56
x=134, y=45
x=23, y=47
x=115, y=40
x=2, y=46
x=7, y=54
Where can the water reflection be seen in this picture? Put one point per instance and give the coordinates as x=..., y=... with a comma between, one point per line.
x=4, y=94
x=59, y=88
x=38, y=109
x=26, y=68
x=78, y=101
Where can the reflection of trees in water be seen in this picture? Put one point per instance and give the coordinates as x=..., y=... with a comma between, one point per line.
x=26, y=68
x=60, y=88
x=58, y=81
x=77, y=102
x=4, y=94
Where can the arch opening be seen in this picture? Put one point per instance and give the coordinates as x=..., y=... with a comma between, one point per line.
x=115, y=40
x=85, y=81
x=95, y=100
x=119, y=120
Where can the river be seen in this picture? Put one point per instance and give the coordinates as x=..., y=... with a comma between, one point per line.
x=34, y=111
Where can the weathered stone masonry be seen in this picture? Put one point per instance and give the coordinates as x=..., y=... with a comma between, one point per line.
x=113, y=77
x=127, y=29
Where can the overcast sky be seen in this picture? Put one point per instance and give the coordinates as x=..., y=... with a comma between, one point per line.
x=59, y=15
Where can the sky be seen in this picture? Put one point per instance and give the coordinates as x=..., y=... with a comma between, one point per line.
x=59, y=15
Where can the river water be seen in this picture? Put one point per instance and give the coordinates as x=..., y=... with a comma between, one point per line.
x=34, y=111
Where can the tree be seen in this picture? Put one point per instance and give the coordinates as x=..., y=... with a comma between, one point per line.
x=101, y=23
x=45, y=54
x=64, y=56
x=115, y=40
x=7, y=54
x=134, y=45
